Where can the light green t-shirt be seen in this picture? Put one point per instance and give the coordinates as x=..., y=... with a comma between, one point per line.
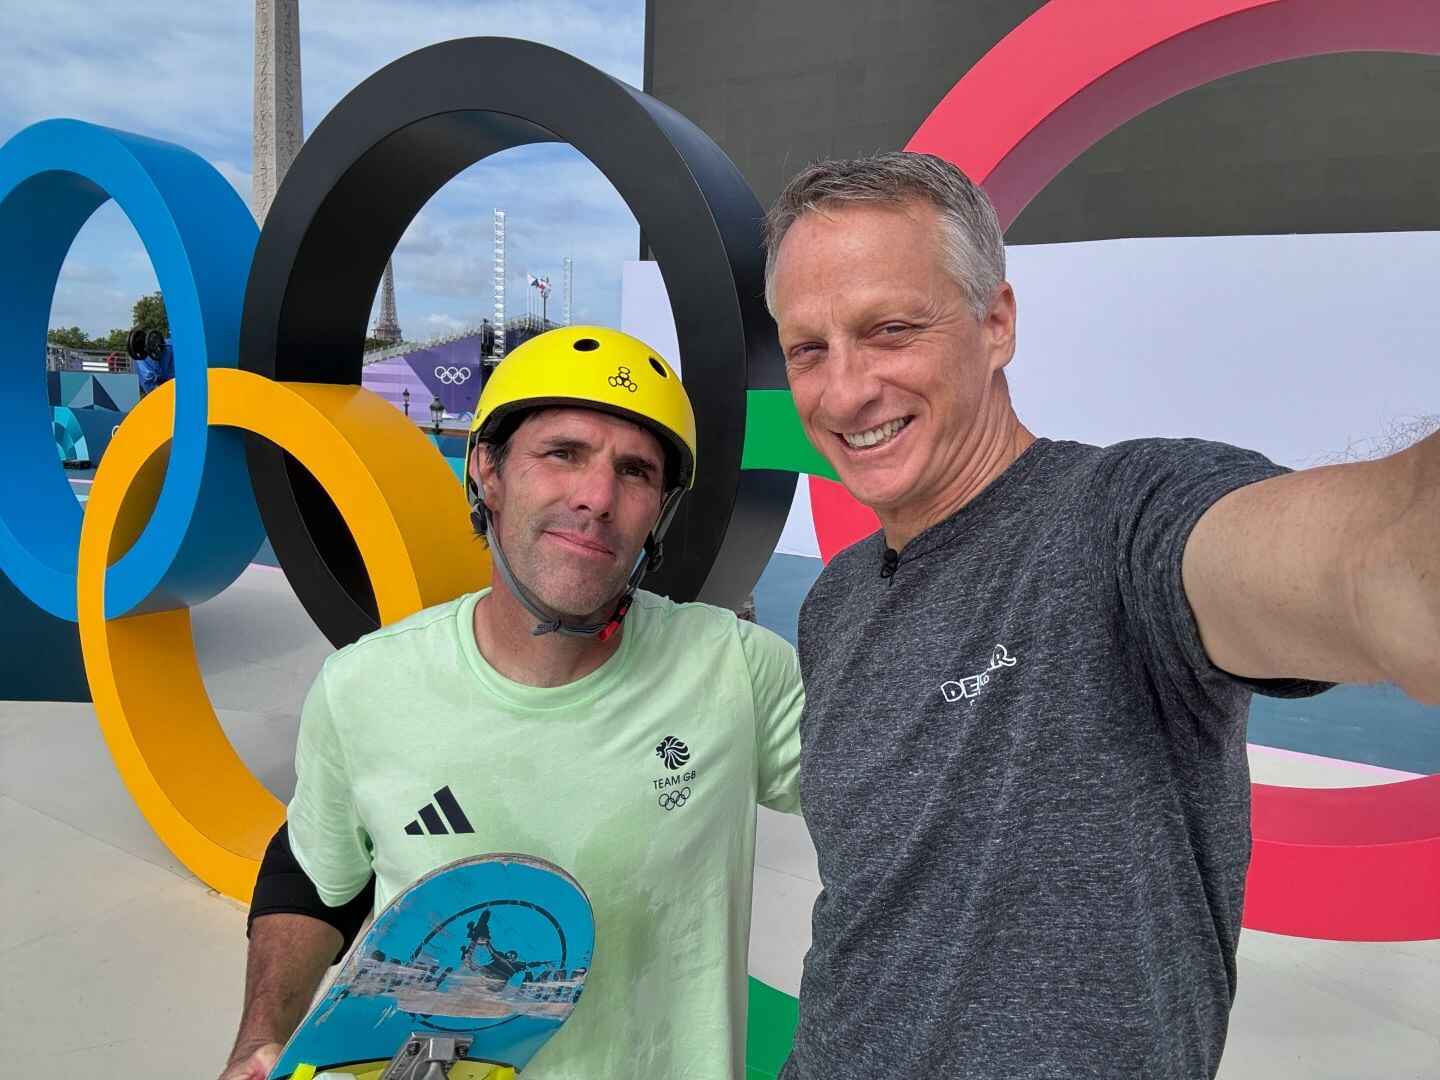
x=572, y=774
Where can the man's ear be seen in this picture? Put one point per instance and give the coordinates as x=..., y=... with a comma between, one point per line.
x=999, y=326
x=485, y=477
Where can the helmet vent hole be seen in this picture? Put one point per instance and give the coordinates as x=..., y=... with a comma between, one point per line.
x=586, y=344
x=659, y=368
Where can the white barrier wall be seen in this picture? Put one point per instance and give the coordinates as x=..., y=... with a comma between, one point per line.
x=645, y=309
x=1291, y=345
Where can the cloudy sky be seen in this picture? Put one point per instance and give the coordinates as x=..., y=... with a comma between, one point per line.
x=182, y=72
x=1297, y=346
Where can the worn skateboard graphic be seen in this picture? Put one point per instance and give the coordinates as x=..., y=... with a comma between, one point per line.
x=476, y=964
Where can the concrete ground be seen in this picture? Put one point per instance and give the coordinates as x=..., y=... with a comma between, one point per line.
x=115, y=961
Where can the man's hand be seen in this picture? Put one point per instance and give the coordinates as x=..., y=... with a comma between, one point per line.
x=254, y=1065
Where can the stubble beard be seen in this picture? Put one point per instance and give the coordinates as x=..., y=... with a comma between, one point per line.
x=562, y=585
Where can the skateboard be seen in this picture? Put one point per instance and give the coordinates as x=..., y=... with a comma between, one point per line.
x=464, y=975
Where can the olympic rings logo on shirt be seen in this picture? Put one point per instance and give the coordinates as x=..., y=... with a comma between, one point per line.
x=672, y=799
x=170, y=520
x=453, y=376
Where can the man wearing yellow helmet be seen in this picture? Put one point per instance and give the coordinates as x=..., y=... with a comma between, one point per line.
x=564, y=713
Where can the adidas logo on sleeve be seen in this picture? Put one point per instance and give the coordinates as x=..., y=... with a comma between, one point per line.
x=430, y=819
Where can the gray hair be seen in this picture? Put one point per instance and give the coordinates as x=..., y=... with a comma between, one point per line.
x=973, y=245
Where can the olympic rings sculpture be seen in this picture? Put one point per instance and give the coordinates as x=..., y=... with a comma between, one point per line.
x=365, y=516
x=453, y=376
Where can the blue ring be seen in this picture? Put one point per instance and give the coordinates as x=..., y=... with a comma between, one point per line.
x=201, y=238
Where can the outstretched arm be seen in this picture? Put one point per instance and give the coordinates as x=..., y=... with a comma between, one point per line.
x=1330, y=573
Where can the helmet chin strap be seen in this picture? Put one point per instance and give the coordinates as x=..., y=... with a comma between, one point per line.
x=650, y=558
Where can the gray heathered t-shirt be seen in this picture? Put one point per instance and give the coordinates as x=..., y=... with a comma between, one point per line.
x=1027, y=784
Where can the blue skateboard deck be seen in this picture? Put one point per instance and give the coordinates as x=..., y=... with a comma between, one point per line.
x=492, y=949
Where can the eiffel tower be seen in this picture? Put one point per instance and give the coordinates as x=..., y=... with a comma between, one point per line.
x=387, y=326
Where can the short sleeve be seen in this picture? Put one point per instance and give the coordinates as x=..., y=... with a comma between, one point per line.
x=326, y=834
x=779, y=701
x=1153, y=492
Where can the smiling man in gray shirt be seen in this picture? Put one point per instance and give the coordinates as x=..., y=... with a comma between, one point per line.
x=1023, y=750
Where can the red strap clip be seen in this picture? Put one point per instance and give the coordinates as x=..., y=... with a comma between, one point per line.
x=616, y=619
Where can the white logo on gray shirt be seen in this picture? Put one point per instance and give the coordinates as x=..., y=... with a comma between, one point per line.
x=970, y=686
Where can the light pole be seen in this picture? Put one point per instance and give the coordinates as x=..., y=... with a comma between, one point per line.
x=436, y=412
x=405, y=400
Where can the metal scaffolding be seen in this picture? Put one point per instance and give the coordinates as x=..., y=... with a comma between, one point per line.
x=500, y=282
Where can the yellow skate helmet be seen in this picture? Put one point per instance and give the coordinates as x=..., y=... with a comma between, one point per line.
x=592, y=367
x=589, y=367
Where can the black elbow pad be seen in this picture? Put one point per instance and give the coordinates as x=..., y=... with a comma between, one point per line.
x=282, y=888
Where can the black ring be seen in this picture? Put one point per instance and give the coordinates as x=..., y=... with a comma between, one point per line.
x=364, y=174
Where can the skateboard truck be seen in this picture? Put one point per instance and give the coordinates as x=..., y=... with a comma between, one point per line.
x=427, y=1057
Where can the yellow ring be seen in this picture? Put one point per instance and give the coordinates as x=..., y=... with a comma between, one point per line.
x=409, y=519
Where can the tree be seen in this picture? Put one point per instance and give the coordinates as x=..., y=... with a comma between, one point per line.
x=150, y=314
x=114, y=341
x=70, y=337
